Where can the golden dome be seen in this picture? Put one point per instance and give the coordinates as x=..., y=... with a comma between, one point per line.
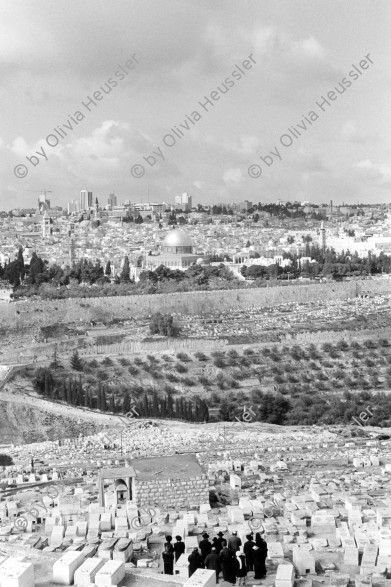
x=177, y=237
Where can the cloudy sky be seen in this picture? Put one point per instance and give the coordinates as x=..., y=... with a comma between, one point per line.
x=55, y=54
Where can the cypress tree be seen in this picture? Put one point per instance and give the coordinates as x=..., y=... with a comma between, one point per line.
x=155, y=406
x=69, y=392
x=104, y=403
x=146, y=407
x=170, y=405
x=126, y=403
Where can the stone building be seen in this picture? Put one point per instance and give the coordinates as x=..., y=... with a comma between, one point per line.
x=171, y=482
x=177, y=252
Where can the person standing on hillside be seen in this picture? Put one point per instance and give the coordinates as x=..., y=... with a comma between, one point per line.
x=205, y=546
x=168, y=560
x=212, y=562
x=248, y=551
x=195, y=561
x=179, y=547
x=234, y=542
x=227, y=562
x=259, y=554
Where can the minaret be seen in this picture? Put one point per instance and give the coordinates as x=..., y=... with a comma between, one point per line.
x=45, y=225
x=72, y=255
x=323, y=236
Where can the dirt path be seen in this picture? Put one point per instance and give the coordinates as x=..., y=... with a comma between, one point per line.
x=20, y=397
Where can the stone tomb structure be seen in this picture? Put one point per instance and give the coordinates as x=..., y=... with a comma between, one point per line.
x=176, y=481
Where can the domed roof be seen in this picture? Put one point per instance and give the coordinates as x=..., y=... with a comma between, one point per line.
x=177, y=237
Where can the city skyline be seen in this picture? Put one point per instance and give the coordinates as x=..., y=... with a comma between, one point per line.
x=300, y=52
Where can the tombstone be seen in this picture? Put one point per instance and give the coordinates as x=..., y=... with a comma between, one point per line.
x=64, y=569
x=111, y=573
x=285, y=575
x=304, y=561
x=15, y=573
x=235, y=482
x=85, y=574
x=202, y=578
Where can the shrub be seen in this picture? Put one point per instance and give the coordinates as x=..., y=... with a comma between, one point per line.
x=102, y=375
x=189, y=381
x=183, y=357
x=278, y=379
x=204, y=381
x=233, y=353
x=156, y=375
x=152, y=359
x=124, y=362
x=172, y=378
x=93, y=363
x=201, y=356
x=181, y=368
x=5, y=460
x=133, y=370
x=163, y=324
x=370, y=344
x=342, y=345
x=107, y=362
x=219, y=362
x=167, y=358
x=384, y=342
x=138, y=361
x=248, y=352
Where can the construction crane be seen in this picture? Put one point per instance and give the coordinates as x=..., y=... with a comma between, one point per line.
x=41, y=192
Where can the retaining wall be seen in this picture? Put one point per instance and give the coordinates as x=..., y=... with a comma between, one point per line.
x=43, y=313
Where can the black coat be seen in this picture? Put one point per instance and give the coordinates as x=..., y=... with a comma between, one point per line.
x=228, y=565
x=259, y=559
x=205, y=548
x=179, y=548
x=195, y=562
x=168, y=559
x=212, y=562
x=241, y=570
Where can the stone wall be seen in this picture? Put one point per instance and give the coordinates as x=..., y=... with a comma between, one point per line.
x=38, y=313
x=186, y=493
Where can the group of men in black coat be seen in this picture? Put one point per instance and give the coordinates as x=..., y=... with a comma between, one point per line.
x=221, y=555
x=171, y=551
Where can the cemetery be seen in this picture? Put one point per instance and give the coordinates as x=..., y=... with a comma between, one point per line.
x=80, y=512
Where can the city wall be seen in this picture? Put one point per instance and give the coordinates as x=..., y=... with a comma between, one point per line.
x=37, y=313
x=77, y=310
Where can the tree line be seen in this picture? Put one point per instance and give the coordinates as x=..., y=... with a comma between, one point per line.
x=103, y=397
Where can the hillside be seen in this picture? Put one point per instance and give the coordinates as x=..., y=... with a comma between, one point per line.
x=25, y=418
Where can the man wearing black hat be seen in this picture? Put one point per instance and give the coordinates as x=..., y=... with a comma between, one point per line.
x=216, y=544
x=205, y=546
x=168, y=544
x=248, y=551
x=220, y=541
x=179, y=547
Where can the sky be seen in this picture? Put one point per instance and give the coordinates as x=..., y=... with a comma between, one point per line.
x=174, y=54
